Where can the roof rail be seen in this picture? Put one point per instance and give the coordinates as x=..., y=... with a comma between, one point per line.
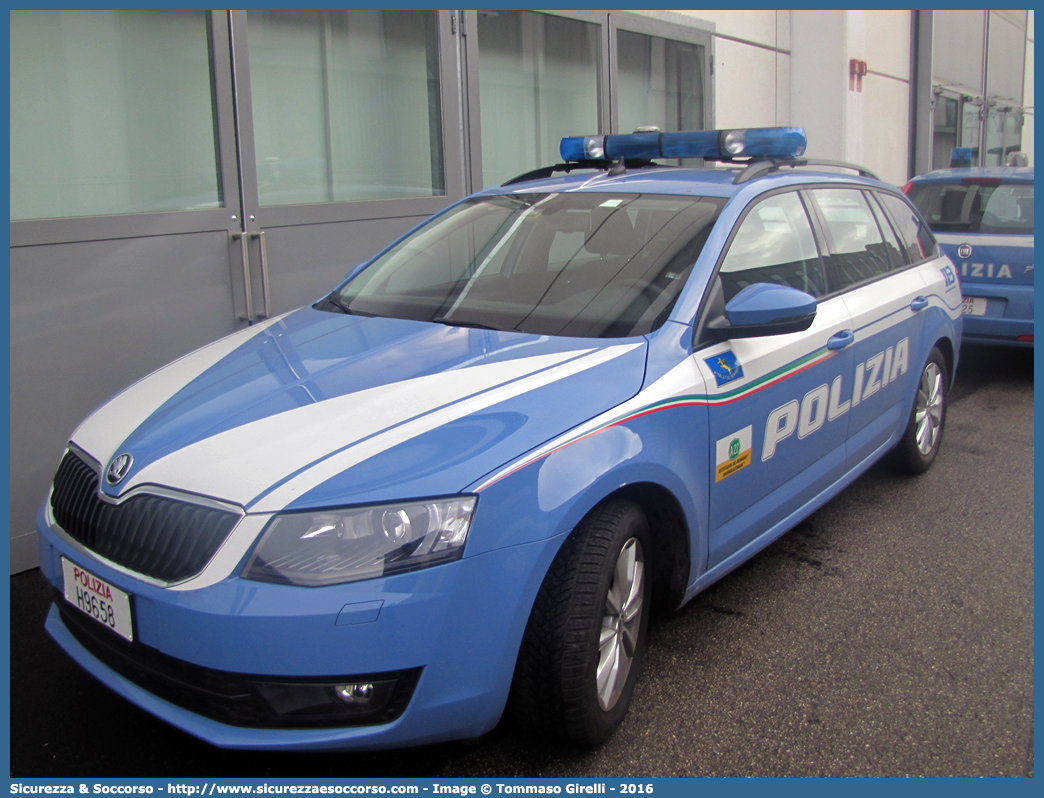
x=615, y=167
x=763, y=167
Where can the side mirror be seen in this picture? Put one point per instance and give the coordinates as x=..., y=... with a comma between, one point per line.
x=765, y=309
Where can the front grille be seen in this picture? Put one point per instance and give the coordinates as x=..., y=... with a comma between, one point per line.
x=223, y=696
x=156, y=536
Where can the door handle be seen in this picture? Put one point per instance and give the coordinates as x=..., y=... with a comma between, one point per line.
x=841, y=340
x=260, y=235
x=920, y=303
x=244, y=255
x=249, y=318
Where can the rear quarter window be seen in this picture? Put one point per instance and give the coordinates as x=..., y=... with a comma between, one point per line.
x=917, y=240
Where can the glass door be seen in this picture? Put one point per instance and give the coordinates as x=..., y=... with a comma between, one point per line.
x=532, y=78
x=348, y=137
x=661, y=75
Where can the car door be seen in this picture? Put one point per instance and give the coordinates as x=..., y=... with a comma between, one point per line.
x=777, y=406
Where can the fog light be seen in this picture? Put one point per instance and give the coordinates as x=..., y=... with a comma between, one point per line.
x=354, y=693
x=373, y=698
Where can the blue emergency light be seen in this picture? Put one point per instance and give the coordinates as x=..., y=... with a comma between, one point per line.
x=765, y=142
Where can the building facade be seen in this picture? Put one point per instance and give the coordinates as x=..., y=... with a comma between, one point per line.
x=176, y=175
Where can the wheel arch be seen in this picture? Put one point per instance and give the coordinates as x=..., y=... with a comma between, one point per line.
x=671, y=557
x=945, y=346
x=669, y=530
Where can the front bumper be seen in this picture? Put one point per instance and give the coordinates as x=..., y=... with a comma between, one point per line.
x=457, y=625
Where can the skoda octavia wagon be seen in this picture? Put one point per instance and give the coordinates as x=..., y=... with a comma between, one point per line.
x=457, y=485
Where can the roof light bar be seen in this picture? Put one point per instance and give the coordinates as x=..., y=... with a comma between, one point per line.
x=766, y=142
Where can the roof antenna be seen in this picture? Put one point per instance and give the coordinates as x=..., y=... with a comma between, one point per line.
x=618, y=168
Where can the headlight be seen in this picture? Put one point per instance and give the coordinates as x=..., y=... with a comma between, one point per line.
x=328, y=547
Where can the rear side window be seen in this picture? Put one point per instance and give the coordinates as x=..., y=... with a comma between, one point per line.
x=858, y=249
x=914, y=235
x=774, y=244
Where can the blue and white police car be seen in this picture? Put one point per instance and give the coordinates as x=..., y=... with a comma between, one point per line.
x=983, y=220
x=459, y=483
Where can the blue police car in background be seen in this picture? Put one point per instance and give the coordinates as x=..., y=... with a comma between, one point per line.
x=460, y=482
x=983, y=220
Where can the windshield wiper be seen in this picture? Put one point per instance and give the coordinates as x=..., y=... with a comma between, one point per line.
x=332, y=299
x=475, y=324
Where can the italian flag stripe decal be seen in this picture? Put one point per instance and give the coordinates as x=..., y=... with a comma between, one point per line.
x=772, y=378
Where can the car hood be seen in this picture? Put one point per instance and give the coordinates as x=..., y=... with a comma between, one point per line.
x=320, y=409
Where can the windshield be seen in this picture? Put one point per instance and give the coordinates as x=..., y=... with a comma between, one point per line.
x=576, y=264
x=976, y=205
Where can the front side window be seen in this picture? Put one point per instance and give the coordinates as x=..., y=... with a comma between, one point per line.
x=774, y=244
x=577, y=264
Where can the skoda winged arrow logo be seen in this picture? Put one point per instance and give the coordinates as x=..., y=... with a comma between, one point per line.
x=118, y=468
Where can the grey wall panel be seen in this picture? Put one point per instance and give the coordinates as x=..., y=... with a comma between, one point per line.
x=307, y=261
x=87, y=319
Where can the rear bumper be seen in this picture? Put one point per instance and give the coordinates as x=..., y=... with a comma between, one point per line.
x=1009, y=314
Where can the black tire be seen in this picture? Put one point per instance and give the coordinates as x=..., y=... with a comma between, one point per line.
x=924, y=431
x=557, y=688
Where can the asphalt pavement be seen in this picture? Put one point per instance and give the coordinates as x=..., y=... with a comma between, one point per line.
x=890, y=634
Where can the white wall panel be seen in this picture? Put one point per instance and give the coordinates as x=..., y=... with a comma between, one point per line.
x=783, y=90
x=745, y=85
x=783, y=30
x=886, y=139
x=750, y=26
x=818, y=79
x=887, y=43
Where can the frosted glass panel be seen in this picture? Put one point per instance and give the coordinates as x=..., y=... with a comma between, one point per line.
x=660, y=83
x=111, y=112
x=538, y=82
x=346, y=105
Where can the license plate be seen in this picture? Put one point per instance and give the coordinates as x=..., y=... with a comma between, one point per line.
x=974, y=306
x=108, y=605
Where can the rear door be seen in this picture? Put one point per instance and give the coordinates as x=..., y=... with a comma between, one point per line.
x=880, y=281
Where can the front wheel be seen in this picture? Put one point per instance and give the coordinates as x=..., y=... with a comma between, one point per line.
x=583, y=644
x=920, y=443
